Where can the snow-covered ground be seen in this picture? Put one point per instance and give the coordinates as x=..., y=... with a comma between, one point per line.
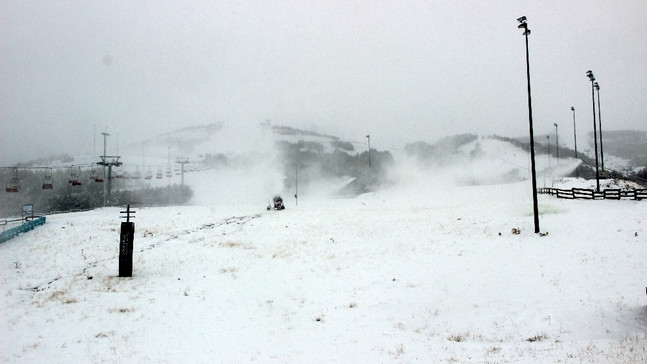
x=418, y=273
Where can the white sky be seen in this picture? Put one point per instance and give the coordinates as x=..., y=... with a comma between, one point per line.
x=401, y=71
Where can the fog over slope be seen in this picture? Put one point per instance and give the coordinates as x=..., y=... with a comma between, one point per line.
x=225, y=163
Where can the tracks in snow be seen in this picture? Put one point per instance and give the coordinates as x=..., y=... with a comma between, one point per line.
x=235, y=224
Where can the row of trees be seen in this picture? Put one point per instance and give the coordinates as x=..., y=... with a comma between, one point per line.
x=312, y=162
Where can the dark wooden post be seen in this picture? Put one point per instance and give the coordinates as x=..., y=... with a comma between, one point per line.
x=126, y=245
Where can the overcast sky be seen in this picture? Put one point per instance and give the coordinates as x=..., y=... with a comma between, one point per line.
x=401, y=71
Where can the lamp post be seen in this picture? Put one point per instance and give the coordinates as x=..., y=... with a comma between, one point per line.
x=548, y=143
x=574, y=133
x=523, y=25
x=597, y=88
x=369, y=151
x=591, y=77
x=556, y=143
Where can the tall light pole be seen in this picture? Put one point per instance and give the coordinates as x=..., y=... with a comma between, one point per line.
x=523, y=25
x=597, y=88
x=556, y=142
x=574, y=133
x=369, y=151
x=548, y=143
x=591, y=77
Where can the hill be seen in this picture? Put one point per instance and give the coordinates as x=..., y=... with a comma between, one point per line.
x=269, y=159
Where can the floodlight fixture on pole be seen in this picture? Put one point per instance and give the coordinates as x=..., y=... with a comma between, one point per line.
x=523, y=25
x=369, y=151
x=548, y=143
x=597, y=88
x=556, y=143
x=574, y=133
x=591, y=77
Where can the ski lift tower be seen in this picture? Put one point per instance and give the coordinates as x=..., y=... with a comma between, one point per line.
x=109, y=161
x=182, y=162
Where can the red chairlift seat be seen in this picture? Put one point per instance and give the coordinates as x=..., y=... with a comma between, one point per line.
x=13, y=185
x=74, y=180
x=47, y=182
x=93, y=174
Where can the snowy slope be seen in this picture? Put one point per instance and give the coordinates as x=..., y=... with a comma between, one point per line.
x=421, y=273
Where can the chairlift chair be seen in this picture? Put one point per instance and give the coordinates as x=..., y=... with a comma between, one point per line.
x=14, y=183
x=159, y=173
x=74, y=179
x=93, y=174
x=149, y=174
x=13, y=186
x=48, y=184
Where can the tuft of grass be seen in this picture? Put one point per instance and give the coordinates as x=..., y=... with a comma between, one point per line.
x=538, y=337
x=458, y=337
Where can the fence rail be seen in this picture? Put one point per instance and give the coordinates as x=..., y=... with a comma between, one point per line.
x=588, y=194
x=13, y=232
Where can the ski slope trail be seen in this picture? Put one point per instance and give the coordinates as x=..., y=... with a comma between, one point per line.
x=440, y=275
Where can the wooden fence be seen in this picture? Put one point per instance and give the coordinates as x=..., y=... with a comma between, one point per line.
x=587, y=194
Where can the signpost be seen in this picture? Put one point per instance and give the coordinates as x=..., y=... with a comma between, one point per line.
x=28, y=211
x=126, y=244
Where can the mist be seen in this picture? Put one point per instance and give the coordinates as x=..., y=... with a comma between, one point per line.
x=399, y=72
